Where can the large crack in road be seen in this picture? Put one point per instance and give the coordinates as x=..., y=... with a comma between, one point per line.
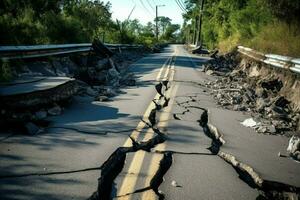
x=269, y=189
x=113, y=166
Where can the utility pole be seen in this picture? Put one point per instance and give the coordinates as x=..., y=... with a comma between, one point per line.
x=156, y=20
x=195, y=31
x=199, y=38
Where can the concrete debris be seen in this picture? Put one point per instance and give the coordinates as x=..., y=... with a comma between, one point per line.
x=113, y=77
x=54, y=111
x=222, y=63
x=42, y=114
x=274, y=112
x=294, y=147
x=91, y=92
x=209, y=72
x=102, y=98
x=96, y=76
x=102, y=65
x=249, y=123
x=128, y=79
x=174, y=184
x=110, y=92
x=32, y=129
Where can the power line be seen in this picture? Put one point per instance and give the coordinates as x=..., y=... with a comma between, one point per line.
x=182, y=4
x=150, y=5
x=146, y=8
x=179, y=5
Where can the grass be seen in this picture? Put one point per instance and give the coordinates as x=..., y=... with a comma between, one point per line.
x=229, y=44
x=276, y=37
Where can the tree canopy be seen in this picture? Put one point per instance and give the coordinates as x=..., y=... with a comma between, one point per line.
x=227, y=23
x=73, y=21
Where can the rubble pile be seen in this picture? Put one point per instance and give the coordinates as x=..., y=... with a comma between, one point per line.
x=294, y=147
x=222, y=64
x=31, y=121
x=96, y=77
x=238, y=91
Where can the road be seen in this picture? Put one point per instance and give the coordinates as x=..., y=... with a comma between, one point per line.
x=88, y=148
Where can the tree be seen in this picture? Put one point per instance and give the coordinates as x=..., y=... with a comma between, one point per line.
x=163, y=22
x=171, y=31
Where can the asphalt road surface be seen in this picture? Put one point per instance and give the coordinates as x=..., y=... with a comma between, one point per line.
x=171, y=154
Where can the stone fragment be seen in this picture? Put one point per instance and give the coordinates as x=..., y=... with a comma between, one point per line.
x=102, y=64
x=294, y=145
x=209, y=72
x=249, y=122
x=113, y=78
x=42, y=114
x=110, y=92
x=54, y=111
x=32, y=129
x=91, y=92
x=261, y=92
x=260, y=104
x=271, y=129
x=261, y=129
x=102, y=98
x=174, y=184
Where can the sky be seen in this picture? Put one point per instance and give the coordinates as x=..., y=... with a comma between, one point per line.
x=145, y=13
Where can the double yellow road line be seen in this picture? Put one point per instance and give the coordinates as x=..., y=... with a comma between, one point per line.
x=129, y=181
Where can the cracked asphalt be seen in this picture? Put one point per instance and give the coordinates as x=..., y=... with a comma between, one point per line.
x=151, y=142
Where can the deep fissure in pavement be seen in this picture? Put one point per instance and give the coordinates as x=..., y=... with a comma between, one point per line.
x=269, y=189
x=157, y=179
x=112, y=167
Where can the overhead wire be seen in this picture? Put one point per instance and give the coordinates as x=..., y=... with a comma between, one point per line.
x=180, y=6
x=146, y=8
x=183, y=5
x=150, y=5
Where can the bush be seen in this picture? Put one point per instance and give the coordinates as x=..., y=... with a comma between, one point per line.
x=278, y=38
x=5, y=72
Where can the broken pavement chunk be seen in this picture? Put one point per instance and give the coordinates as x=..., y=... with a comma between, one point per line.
x=32, y=129
x=249, y=123
x=294, y=147
x=42, y=114
x=54, y=111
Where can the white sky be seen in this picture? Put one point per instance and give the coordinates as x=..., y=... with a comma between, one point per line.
x=121, y=9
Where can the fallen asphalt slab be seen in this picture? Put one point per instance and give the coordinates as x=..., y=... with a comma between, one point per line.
x=32, y=84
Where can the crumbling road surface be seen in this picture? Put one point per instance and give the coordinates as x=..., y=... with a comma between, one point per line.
x=162, y=139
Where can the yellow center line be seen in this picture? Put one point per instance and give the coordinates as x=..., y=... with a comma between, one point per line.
x=156, y=158
x=162, y=68
x=141, y=124
x=130, y=179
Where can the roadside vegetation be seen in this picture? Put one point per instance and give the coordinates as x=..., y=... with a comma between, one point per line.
x=32, y=22
x=271, y=26
x=27, y=22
